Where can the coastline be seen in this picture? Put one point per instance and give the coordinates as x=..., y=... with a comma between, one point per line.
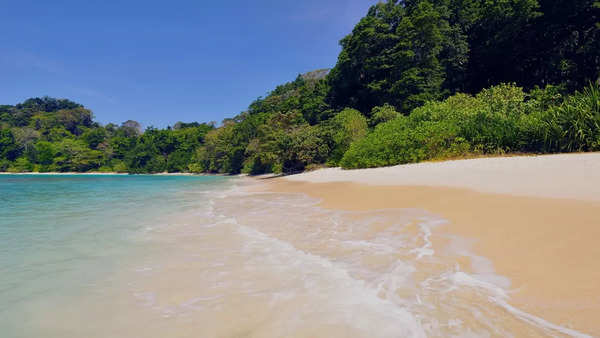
x=535, y=218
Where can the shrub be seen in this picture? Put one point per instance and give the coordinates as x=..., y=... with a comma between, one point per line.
x=4, y=165
x=347, y=126
x=44, y=152
x=308, y=145
x=387, y=144
x=20, y=165
x=105, y=169
x=400, y=141
x=575, y=124
x=498, y=120
x=118, y=166
x=382, y=114
x=195, y=168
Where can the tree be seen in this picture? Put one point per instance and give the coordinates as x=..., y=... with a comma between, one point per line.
x=346, y=127
x=162, y=141
x=44, y=153
x=382, y=114
x=93, y=137
x=562, y=45
x=183, y=125
x=8, y=146
x=47, y=104
x=131, y=128
x=308, y=145
x=74, y=155
x=21, y=164
x=398, y=54
x=25, y=137
x=75, y=120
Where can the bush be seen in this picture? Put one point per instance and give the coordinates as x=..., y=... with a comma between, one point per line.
x=20, y=165
x=498, y=120
x=44, y=152
x=195, y=168
x=105, y=169
x=401, y=141
x=308, y=145
x=4, y=164
x=575, y=124
x=347, y=126
x=382, y=114
x=178, y=161
x=118, y=166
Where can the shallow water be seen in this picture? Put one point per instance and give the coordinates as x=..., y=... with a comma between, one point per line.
x=207, y=257
x=62, y=237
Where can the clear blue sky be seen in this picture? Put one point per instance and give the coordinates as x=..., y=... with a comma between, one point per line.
x=159, y=62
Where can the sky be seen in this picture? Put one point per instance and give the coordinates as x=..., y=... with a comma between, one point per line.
x=159, y=62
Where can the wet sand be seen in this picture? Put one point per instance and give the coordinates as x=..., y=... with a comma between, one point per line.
x=536, y=218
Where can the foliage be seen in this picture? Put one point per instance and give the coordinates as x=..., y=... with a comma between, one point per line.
x=20, y=165
x=406, y=53
x=382, y=114
x=59, y=135
x=415, y=80
x=396, y=55
x=8, y=147
x=498, y=120
x=574, y=125
x=346, y=127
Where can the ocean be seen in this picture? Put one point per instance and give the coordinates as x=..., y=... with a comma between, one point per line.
x=204, y=256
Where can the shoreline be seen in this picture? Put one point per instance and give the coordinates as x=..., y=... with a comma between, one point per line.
x=543, y=240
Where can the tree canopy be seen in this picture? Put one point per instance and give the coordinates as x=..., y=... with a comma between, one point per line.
x=406, y=53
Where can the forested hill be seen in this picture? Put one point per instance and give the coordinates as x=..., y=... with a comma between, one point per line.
x=46, y=134
x=415, y=80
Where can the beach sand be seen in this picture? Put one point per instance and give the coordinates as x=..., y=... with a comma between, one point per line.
x=536, y=218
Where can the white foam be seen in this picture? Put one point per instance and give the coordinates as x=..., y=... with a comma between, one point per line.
x=377, y=248
x=347, y=291
x=500, y=297
x=534, y=320
x=462, y=278
x=426, y=249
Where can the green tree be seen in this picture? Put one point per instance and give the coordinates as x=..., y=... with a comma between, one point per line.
x=308, y=146
x=535, y=43
x=382, y=114
x=93, y=137
x=75, y=120
x=398, y=54
x=21, y=164
x=25, y=138
x=8, y=147
x=44, y=153
x=346, y=127
x=74, y=155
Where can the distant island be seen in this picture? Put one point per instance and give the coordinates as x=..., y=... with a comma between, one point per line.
x=414, y=81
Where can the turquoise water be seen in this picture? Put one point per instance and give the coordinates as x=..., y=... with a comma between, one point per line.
x=62, y=235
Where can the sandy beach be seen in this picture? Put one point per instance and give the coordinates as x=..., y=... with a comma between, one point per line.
x=535, y=217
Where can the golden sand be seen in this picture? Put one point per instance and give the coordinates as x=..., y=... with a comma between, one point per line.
x=548, y=247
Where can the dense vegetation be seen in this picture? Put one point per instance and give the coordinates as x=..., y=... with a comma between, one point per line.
x=498, y=120
x=415, y=80
x=59, y=135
